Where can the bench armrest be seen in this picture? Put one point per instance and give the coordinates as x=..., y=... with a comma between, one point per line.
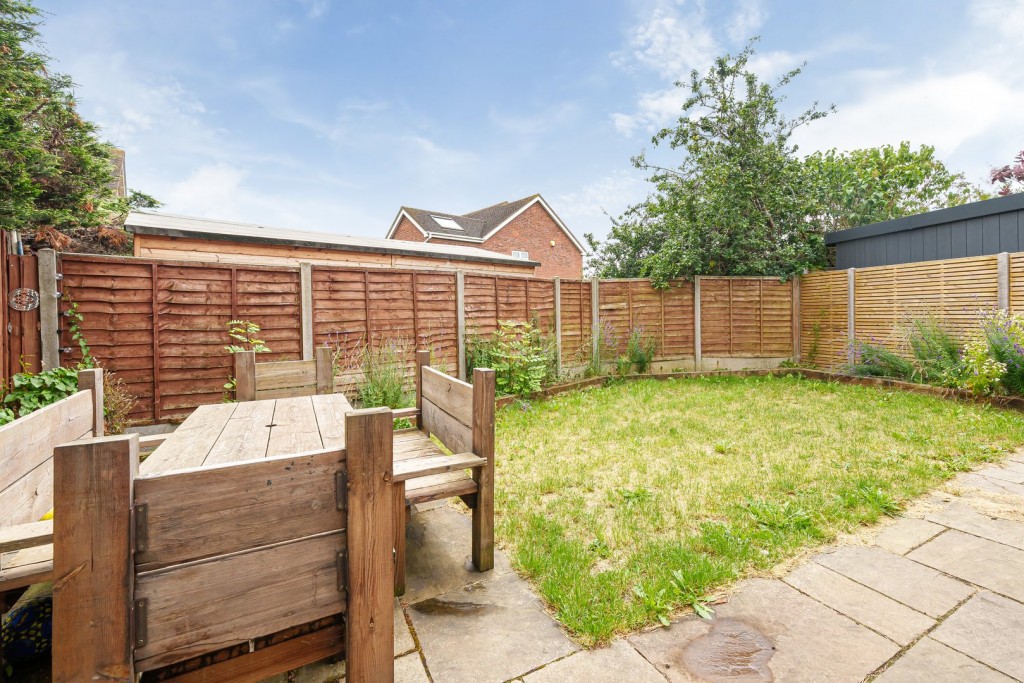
x=24, y=536
x=435, y=464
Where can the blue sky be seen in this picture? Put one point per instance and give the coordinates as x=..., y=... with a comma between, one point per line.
x=329, y=114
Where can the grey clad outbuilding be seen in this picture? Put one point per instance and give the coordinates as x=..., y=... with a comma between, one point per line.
x=977, y=229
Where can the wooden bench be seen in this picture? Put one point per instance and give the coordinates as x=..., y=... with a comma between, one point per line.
x=26, y=479
x=461, y=417
x=233, y=572
x=283, y=379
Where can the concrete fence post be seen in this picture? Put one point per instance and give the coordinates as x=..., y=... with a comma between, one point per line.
x=306, y=288
x=558, y=325
x=851, y=319
x=595, y=320
x=795, y=283
x=460, y=318
x=49, y=305
x=697, y=361
x=1003, y=276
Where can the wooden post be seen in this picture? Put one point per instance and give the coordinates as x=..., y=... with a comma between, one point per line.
x=369, y=632
x=483, y=446
x=460, y=318
x=698, y=364
x=92, y=381
x=306, y=308
x=1003, y=275
x=795, y=294
x=49, y=298
x=245, y=376
x=851, y=299
x=422, y=361
x=93, y=569
x=324, y=370
x=595, y=320
x=558, y=326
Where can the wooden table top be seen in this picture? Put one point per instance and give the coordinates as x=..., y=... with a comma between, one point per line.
x=234, y=432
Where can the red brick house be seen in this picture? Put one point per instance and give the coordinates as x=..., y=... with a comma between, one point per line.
x=525, y=228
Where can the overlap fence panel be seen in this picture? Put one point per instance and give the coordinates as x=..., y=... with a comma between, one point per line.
x=576, y=318
x=746, y=317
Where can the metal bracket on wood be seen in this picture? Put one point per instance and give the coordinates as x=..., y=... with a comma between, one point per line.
x=141, y=527
x=139, y=613
x=342, y=561
x=341, y=490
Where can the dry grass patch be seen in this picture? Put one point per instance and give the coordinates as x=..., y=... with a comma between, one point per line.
x=627, y=502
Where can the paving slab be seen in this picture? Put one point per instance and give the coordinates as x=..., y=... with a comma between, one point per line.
x=981, y=480
x=906, y=534
x=967, y=519
x=930, y=661
x=1006, y=473
x=492, y=630
x=767, y=631
x=409, y=669
x=988, y=628
x=899, y=578
x=403, y=637
x=986, y=563
x=870, y=608
x=613, y=664
x=439, y=555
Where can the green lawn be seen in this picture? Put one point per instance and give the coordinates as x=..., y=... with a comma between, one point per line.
x=626, y=502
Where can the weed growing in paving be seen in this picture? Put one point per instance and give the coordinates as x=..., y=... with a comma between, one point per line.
x=628, y=502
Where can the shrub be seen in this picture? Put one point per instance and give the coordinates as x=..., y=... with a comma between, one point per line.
x=872, y=360
x=640, y=349
x=523, y=359
x=981, y=373
x=936, y=352
x=117, y=404
x=31, y=391
x=1004, y=334
x=383, y=368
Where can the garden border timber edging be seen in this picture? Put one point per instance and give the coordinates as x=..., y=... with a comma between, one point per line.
x=1009, y=402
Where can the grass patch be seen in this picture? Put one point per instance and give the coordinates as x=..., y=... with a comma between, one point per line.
x=626, y=502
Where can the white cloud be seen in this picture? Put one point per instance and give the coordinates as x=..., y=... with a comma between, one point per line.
x=1005, y=17
x=749, y=17
x=587, y=208
x=316, y=8
x=673, y=41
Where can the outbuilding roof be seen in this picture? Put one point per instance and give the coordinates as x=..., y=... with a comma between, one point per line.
x=173, y=225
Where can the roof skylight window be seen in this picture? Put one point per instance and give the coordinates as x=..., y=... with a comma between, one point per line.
x=446, y=222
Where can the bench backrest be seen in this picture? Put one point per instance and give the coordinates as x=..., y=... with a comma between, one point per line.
x=459, y=414
x=243, y=570
x=283, y=379
x=26, y=448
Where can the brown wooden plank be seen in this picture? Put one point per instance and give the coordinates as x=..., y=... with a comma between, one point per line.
x=29, y=441
x=245, y=376
x=369, y=647
x=330, y=411
x=29, y=498
x=202, y=606
x=457, y=437
x=245, y=436
x=285, y=375
x=451, y=395
x=439, y=487
x=26, y=536
x=210, y=511
x=92, y=588
x=294, y=427
x=438, y=464
x=26, y=567
x=189, y=444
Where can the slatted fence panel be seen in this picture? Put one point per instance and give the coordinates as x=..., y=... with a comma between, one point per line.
x=823, y=318
x=953, y=291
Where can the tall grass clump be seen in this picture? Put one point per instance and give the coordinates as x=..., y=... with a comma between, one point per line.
x=937, y=353
x=874, y=360
x=640, y=349
x=383, y=367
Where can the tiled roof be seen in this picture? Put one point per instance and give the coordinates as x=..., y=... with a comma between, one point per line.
x=474, y=224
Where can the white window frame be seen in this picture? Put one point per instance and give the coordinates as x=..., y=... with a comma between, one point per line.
x=454, y=225
x=521, y=255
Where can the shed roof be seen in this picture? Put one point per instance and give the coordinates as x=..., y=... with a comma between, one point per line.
x=173, y=225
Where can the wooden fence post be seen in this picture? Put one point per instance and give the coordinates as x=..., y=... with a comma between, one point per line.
x=460, y=320
x=306, y=308
x=422, y=361
x=1003, y=272
x=795, y=295
x=697, y=358
x=851, y=299
x=245, y=376
x=595, y=320
x=369, y=632
x=93, y=569
x=91, y=380
x=558, y=326
x=49, y=337
x=324, y=370
x=483, y=446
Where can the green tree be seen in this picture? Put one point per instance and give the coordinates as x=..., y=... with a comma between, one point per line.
x=878, y=184
x=738, y=203
x=55, y=173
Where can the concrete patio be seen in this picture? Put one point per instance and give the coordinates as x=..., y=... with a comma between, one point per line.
x=937, y=595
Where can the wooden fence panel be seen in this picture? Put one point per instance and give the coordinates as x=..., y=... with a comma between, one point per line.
x=512, y=298
x=271, y=299
x=1017, y=282
x=436, y=317
x=614, y=314
x=575, y=321
x=746, y=317
x=339, y=308
x=954, y=291
x=823, y=318
x=678, y=320
x=541, y=304
x=481, y=304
